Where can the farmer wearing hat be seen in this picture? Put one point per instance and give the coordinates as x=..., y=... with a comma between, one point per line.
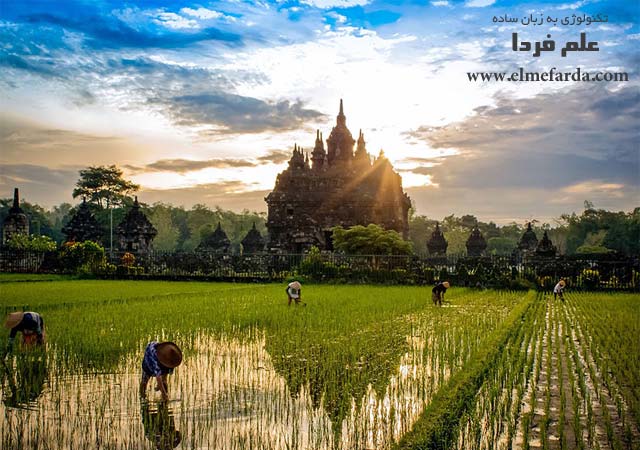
x=557, y=291
x=294, y=292
x=29, y=323
x=160, y=358
x=437, y=293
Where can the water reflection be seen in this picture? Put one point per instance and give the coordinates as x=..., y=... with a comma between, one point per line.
x=226, y=395
x=23, y=379
x=159, y=425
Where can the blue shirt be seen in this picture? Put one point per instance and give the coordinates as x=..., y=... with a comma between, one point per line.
x=151, y=364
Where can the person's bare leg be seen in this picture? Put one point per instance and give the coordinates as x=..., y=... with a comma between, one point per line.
x=143, y=385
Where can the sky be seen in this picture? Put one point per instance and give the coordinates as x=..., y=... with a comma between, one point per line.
x=202, y=102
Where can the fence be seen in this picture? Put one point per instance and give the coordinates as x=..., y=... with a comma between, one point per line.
x=605, y=272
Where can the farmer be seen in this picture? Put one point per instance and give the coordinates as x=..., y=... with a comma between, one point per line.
x=29, y=323
x=557, y=291
x=437, y=293
x=294, y=292
x=160, y=358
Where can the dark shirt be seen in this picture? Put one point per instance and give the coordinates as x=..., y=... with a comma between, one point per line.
x=439, y=289
x=31, y=321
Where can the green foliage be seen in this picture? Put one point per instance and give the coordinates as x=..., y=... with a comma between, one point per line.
x=370, y=240
x=103, y=186
x=84, y=258
x=31, y=243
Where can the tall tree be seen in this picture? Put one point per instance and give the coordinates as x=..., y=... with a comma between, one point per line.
x=370, y=240
x=104, y=186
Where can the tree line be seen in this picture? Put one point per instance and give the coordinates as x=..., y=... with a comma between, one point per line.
x=181, y=229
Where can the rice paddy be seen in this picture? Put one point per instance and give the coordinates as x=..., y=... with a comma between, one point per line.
x=359, y=367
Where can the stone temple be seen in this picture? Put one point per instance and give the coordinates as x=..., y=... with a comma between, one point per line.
x=332, y=187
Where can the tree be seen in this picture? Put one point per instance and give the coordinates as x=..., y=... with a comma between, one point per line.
x=370, y=240
x=104, y=186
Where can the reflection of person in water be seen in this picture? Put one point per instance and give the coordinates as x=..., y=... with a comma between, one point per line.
x=26, y=380
x=159, y=426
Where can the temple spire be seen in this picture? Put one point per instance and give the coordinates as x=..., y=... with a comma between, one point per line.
x=341, y=119
x=16, y=198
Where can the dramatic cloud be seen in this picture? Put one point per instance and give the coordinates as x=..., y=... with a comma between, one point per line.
x=186, y=165
x=234, y=113
x=595, y=123
x=276, y=156
x=38, y=184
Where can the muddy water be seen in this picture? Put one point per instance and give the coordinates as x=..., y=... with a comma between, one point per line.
x=226, y=395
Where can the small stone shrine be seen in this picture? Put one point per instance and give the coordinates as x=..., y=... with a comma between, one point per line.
x=16, y=222
x=545, y=247
x=83, y=226
x=253, y=241
x=216, y=242
x=135, y=232
x=336, y=187
x=476, y=244
x=528, y=241
x=437, y=244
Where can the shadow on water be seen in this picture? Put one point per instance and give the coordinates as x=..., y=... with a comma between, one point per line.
x=159, y=425
x=23, y=379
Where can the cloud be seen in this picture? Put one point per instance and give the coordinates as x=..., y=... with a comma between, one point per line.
x=591, y=122
x=539, y=156
x=230, y=113
x=479, y=3
x=327, y=4
x=110, y=32
x=276, y=156
x=206, y=14
x=440, y=3
x=188, y=165
x=38, y=184
x=175, y=21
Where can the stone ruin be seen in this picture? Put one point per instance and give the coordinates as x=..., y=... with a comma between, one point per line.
x=83, y=225
x=216, y=242
x=253, y=242
x=437, y=244
x=476, y=244
x=16, y=222
x=545, y=247
x=135, y=233
x=336, y=187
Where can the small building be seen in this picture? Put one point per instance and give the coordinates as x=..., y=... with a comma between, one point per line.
x=476, y=244
x=135, y=232
x=437, y=244
x=83, y=225
x=545, y=247
x=16, y=222
x=528, y=242
x=253, y=242
x=216, y=242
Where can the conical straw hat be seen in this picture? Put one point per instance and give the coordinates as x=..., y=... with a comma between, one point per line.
x=562, y=283
x=169, y=354
x=295, y=285
x=13, y=319
x=446, y=284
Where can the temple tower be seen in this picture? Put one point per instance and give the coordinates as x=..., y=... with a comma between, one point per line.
x=340, y=142
x=16, y=222
x=135, y=232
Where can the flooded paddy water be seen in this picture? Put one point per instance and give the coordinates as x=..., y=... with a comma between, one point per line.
x=226, y=395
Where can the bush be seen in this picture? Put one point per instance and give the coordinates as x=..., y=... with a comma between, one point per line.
x=84, y=258
x=31, y=243
x=546, y=283
x=589, y=278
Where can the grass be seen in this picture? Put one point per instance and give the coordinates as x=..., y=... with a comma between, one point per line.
x=358, y=367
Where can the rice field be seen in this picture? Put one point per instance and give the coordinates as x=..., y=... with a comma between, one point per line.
x=358, y=367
